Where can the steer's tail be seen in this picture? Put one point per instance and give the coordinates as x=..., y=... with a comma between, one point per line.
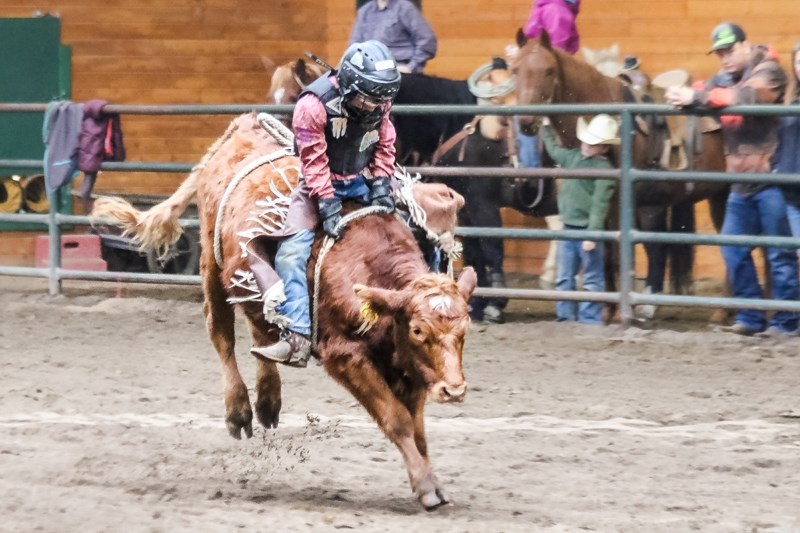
x=158, y=227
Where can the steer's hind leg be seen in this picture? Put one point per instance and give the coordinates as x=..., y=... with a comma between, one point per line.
x=268, y=379
x=358, y=376
x=220, y=323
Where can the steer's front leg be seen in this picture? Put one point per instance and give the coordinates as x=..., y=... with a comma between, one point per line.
x=433, y=489
x=356, y=374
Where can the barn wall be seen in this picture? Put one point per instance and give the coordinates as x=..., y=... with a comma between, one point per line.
x=209, y=51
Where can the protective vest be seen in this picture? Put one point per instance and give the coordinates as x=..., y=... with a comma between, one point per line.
x=351, y=140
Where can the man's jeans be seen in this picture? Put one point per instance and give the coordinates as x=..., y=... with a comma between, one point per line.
x=793, y=214
x=529, y=156
x=571, y=258
x=291, y=262
x=763, y=213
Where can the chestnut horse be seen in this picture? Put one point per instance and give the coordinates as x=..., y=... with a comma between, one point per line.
x=548, y=75
x=289, y=79
x=387, y=329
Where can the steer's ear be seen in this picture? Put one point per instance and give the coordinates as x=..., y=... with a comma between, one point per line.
x=381, y=301
x=467, y=282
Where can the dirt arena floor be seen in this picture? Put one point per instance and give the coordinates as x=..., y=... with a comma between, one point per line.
x=111, y=420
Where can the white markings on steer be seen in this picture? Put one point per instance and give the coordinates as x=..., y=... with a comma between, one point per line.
x=726, y=430
x=440, y=303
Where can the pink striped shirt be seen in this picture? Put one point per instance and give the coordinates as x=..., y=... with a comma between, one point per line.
x=308, y=124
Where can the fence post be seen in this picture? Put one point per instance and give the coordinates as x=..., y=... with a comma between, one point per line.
x=626, y=201
x=54, y=237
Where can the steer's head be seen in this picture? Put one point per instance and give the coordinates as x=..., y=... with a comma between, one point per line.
x=430, y=322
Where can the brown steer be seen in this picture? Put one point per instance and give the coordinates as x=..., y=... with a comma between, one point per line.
x=389, y=330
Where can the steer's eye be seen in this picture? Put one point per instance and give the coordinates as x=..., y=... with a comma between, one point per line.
x=417, y=332
x=550, y=71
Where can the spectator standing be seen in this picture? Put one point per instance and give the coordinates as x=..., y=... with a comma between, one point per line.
x=401, y=27
x=750, y=75
x=787, y=155
x=632, y=73
x=583, y=205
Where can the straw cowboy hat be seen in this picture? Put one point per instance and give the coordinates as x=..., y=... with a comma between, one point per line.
x=602, y=129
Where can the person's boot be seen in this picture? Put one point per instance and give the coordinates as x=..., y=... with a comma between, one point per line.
x=493, y=313
x=292, y=349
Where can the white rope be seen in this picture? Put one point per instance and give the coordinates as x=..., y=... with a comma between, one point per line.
x=277, y=129
x=486, y=89
x=326, y=246
x=243, y=173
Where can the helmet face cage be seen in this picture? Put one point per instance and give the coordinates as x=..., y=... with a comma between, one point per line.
x=369, y=69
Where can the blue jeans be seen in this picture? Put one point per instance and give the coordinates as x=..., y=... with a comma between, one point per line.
x=763, y=213
x=529, y=156
x=571, y=258
x=793, y=214
x=291, y=262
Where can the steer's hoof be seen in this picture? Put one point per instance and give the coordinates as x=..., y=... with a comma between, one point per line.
x=268, y=413
x=433, y=499
x=236, y=423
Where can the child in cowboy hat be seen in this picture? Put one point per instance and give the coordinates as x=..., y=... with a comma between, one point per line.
x=583, y=204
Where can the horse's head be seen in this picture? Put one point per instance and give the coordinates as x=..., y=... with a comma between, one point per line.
x=289, y=80
x=538, y=74
x=430, y=321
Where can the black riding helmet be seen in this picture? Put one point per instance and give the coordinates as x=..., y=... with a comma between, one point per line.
x=368, y=68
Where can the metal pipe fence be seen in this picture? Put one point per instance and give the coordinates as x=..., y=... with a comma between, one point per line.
x=627, y=236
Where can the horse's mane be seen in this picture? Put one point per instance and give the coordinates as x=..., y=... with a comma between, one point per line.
x=423, y=89
x=423, y=133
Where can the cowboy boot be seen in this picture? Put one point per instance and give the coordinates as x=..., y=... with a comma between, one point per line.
x=292, y=349
x=493, y=312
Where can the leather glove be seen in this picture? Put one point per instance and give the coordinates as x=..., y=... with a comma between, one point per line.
x=380, y=193
x=330, y=210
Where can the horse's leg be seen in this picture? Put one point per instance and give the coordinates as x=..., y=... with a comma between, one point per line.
x=653, y=218
x=268, y=380
x=681, y=256
x=716, y=207
x=548, y=278
x=219, y=322
x=352, y=369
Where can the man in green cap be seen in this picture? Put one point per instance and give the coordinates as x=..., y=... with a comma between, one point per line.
x=750, y=74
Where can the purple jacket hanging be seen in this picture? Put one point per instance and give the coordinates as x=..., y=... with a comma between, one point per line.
x=100, y=140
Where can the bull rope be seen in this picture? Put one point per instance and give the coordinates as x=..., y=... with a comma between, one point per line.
x=280, y=133
x=326, y=246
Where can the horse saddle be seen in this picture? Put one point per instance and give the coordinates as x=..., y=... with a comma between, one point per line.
x=685, y=132
x=678, y=138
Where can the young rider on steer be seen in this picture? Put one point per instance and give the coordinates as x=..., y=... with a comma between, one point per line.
x=345, y=142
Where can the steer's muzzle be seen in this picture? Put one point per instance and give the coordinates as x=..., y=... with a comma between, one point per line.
x=443, y=392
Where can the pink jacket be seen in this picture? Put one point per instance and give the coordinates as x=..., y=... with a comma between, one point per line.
x=558, y=18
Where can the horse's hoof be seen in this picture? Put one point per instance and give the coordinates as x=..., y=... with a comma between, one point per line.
x=268, y=414
x=237, y=423
x=547, y=284
x=434, y=499
x=645, y=311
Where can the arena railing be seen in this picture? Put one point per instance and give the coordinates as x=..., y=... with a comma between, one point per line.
x=627, y=236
